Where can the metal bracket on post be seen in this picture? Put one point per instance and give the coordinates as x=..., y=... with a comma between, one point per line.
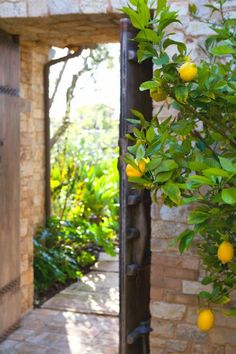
x=142, y=330
x=132, y=55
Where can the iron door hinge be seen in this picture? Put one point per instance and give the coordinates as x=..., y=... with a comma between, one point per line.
x=142, y=330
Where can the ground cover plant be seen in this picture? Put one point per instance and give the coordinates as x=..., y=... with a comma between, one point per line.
x=189, y=158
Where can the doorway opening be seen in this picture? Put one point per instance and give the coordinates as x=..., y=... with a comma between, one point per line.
x=81, y=234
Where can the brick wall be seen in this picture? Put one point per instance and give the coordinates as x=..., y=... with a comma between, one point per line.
x=32, y=168
x=175, y=278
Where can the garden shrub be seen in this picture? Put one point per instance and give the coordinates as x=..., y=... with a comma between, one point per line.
x=85, y=205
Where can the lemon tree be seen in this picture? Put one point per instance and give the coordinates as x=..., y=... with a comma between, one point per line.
x=192, y=152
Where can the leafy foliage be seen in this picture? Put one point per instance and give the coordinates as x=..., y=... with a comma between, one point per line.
x=192, y=151
x=85, y=203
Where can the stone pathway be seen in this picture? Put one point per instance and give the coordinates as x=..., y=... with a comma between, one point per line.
x=82, y=319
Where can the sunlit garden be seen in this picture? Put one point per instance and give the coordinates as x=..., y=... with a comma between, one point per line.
x=84, y=174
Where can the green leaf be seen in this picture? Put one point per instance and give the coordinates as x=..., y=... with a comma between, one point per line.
x=140, y=116
x=229, y=195
x=197, y=165
x=153, y=164
x=138, y=180
x=201, y=180
x=223, y=50
x=197, y=217
x=172, y=191
x=217, y=172
x=181, y=93
x=147, y=85
x=161, y=4
x=137, y=133
x=206, y=280
x=167, y=165
x=231, y=312
x=140, y=152
x=163, y=177
x=133, y=121
x=232, y=267
x=181, y=46
x=162, y=60
x=150, y=135
x=136, y=20
x=230, y=98
x=144, y=12
x=185, y=240
x=222, y=300
x=147, y=35
x=192, y=9
x=204, y=295
x=227, y=164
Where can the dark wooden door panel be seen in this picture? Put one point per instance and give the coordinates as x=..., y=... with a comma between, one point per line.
x=134, y=210
x=9, y=185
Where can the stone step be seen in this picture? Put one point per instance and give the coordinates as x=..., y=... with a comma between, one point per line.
x=95, y=293
x=89, y=303
x=107, y=258
x=104, y=266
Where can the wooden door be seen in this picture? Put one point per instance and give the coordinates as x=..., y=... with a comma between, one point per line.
x=9, y=185
x=134, y=210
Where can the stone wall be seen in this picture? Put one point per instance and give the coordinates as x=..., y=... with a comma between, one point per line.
x=41, y=8
x=175, y=278
x=32, y=163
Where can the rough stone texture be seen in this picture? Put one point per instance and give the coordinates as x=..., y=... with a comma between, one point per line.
x=167, y=311
x=32, y=168
x=57, y=332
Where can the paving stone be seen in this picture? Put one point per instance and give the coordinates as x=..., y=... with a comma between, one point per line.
x=78, y=330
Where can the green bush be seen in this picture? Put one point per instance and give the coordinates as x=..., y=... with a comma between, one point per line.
x=84, y=196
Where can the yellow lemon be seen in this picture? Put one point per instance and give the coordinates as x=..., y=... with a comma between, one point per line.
x=158, y=94
x=225, y=252
x=205, y=320
x=188, y=71
x=136, y=172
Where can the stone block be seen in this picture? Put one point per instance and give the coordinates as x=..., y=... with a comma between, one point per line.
x=94, y=7
x=166, y=230
x=167, y=311
x=223, y=336
x=206, y=349
x=167, y=260
x=37, y=8
x=162, y=328
x=230, y=350
x=173, y=297
x=181, y=273
x=174, y=214
x=197, y=28
x=13, y=9
x=176, y=346
x=157, y=341
x=159, y=245
x=194, y=287
x=166, y=283
x=190, y=263
x=63, y=7
x=191, y=333
x=225, y=321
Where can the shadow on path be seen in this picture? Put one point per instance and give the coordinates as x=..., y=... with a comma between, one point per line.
x=81, y=319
